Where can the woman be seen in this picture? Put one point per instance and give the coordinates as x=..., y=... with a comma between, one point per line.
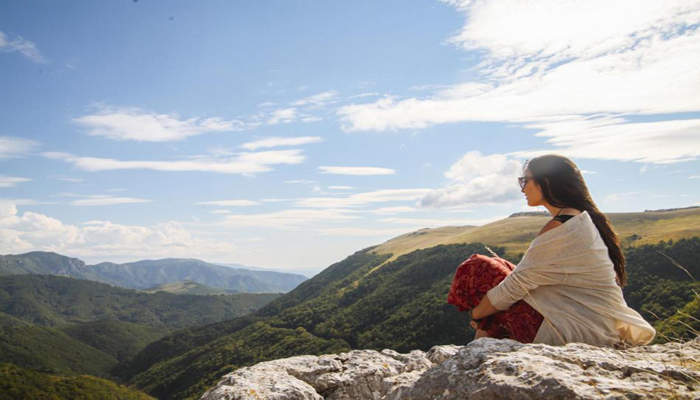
x=573, y=272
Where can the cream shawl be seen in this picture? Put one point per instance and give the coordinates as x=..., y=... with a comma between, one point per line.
x=567, y=275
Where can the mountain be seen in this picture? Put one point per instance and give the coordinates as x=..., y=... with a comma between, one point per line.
x=62, y=325
x=376, y=299
x=307, y=272
x=148, y=273
x=55, y=300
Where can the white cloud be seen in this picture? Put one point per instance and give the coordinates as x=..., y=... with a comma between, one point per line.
x=37, y=232
x=69, y=179
x=15, y=147
x=661, y=142
x=100, y=200
x=9, y=181
x=357, y=170
x=624, y=196
x=230, y=203
x=545, y=61
x=339, y=187
x=694, y=177
x=143, y=126
x=390, y=232
x=361, y=199
x=318, y=100
x=442, y=222
x=24, y=202
x=478, y=179
x=281, y=141
x=244, y=163
x=221, y=212
x=21, y=45
x=283, y=116
x=289, y=219
x=546, y=32
x=393, y=210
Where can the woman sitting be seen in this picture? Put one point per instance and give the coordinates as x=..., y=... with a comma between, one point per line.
x=573, y=271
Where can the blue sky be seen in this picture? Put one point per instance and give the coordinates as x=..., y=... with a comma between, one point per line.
x=289, y=134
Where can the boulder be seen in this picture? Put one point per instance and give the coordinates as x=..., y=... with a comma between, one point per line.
x=484, y=369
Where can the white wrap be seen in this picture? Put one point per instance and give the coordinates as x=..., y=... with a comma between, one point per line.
x=571, y=282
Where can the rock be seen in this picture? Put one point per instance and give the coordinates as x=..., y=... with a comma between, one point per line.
x=485, y=369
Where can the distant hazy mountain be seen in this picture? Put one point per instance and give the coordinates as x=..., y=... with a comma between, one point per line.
x=305, y=272
x=149, y=273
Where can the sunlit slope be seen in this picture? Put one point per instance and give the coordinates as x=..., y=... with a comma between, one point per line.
x=515, y=233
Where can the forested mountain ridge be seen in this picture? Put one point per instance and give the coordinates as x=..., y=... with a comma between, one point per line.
x=63, y=325
x=54, y=300
x=148, y=273
x=401, y=306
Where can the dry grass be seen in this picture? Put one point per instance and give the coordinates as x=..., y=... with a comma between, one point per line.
x=515, y=234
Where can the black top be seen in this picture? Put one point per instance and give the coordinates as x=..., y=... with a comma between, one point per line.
x=563, y=218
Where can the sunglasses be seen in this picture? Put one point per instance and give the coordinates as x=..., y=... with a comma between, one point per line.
x=522, y=181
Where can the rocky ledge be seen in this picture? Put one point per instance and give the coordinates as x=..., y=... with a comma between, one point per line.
x=485, y=369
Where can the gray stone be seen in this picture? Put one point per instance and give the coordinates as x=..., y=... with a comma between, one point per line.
x=485, y=369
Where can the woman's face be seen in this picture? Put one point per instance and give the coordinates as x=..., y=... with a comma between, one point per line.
x=532, y=191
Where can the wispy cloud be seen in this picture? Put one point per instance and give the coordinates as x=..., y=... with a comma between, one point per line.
x=340, y=187
x=230, y=203
x=144, y=126
x=283, y=116
x=281, y=141
x=9, y=181
x=433, y=222
x=361, y=199
x=478, y=179
x=22, y=46
x=386, y=232
x=69, y=179
x=545, y=61
x=288, y=219
x=100, y=200
x=394, y=210
x=661, y=142
x=243, y=163
x=318, y=100
x=357, y=170
x=15, y=147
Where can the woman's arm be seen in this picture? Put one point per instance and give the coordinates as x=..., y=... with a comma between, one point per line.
x=484, y=309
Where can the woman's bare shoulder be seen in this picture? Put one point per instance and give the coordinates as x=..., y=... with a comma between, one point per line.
x=549, y=226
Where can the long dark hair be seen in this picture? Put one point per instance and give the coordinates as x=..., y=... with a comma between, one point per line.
x=563, y=186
